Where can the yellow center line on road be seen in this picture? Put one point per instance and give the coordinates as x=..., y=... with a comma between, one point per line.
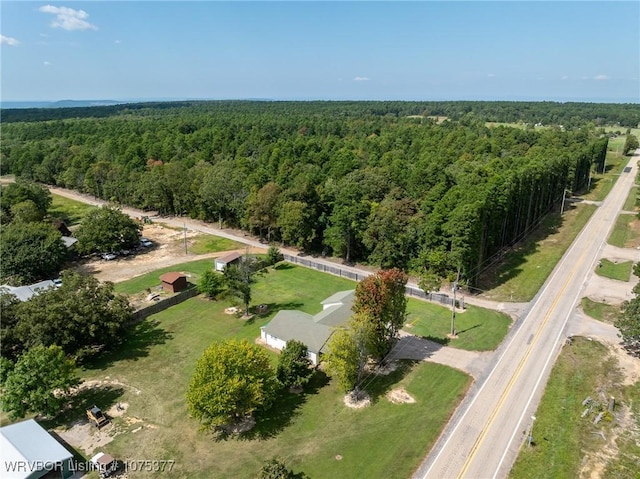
x=518, y=370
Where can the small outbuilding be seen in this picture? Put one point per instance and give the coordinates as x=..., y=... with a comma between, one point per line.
x=28, y=451
x=222, y=262
x=174, y=282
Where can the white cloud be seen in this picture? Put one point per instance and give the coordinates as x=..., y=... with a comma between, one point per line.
x=68, y=18
x=564, y=77
x=491, y=75
x=117, y=42
x=46, y=64
x=601, y=77
x=361, y=79
x=12, y=42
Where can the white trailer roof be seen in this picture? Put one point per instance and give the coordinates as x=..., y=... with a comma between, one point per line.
x=26, y=447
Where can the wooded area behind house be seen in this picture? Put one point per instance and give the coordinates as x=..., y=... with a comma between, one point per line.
x=380, y=182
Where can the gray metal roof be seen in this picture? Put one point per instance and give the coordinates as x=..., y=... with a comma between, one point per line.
x=288, y=325
x=69, y=241
x=314, y=331
x=343, y=297
x=334, y=316
x=25, y=293
x=30, y=442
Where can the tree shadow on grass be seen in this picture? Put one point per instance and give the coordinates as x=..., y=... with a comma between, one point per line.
x=103, y=396
x=137, y=341
x=511, y=263
x=282, y=266
x=271, y=422
x=378, y=385
x=437, y=339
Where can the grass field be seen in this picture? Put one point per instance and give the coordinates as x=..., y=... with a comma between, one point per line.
x=600, y=311
x=562, y=438
x=602, y=183
x=69, y=211
x=309, y=431
x=478, y=329
x=205, y=243
x=631, y=203
x=611, y=270
x=524, y=271
x=192, y=269
x=624, y=234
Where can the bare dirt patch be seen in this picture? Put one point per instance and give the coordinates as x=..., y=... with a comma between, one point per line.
x=357, y=401
x=400, y=396
x=168, y=249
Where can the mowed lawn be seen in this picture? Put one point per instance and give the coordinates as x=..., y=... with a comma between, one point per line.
x=478, y=329
x=314, y=432
x=70, y=211
x=618, y=271
x=626, y=232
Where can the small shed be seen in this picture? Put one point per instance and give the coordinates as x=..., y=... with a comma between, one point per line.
x=28, y=451
x=174, y=282
x=223, y=261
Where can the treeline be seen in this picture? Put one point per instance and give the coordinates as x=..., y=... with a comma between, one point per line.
x=340, y=178
x=570, y=115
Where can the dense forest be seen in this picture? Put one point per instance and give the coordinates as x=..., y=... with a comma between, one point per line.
x=373, y=181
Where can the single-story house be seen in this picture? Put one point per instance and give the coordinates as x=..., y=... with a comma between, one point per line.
x=28, y=451
x=174, y=282
x=25, y=293
x=313, y=331
x=222, y=262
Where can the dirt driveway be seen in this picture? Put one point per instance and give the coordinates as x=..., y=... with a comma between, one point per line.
x=168, y=249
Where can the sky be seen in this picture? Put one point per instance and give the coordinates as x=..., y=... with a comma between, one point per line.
x=301, y=50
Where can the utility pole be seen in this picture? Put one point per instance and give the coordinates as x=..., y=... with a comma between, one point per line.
x=564, y=195
x=589, y=182
x=453, y=305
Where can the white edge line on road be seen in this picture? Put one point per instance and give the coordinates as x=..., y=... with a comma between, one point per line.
x=558, y=268
x=555, y=345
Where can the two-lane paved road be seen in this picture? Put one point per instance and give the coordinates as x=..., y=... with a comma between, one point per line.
x=485, y=434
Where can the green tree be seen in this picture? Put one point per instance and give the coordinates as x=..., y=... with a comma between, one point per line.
x=239, y=278
x=296, y=224
x=629, y=323
x=430, y=282
x=348, y=352
x=275, y=468
x=273, y=256
x=26, y=212
x=30, y=252
x=294, y=365
x=39, y=382
x=232, y=380
x=10, y=344
x=21, y=191
x=391, y=233
x=211, y=283
x=107, y=229
x=83, y=316
x=630, y=144
x=381, y=299
x=263, y=207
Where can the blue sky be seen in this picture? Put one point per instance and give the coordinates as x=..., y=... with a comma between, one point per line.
x=428, y=50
